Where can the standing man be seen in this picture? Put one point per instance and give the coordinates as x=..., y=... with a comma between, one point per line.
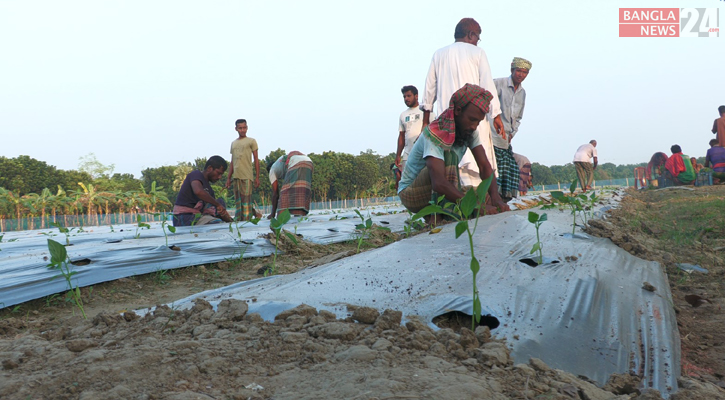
x=582, y=162
x=456, y=65
x=718, y=127
x=432, y=168
x=243, y=150
x=410, y=125
x=513, y=98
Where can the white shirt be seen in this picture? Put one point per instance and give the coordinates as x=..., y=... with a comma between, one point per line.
x=410, y=122
x=450, y=69
x=585, y=153
x=468, y=172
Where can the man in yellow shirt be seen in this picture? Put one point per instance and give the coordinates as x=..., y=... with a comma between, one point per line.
x=243, y=150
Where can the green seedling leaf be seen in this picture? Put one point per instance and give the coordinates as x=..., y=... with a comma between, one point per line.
x=291, y=237
x=58, y=253
x=543, y=217
x=384, y=228
x=535, y=248
x=477, y=309
x=427, y=210
x=368, y=223
x=284, y=217
x=468, y=203
x=533, y=217
x=171, y=228
x=572, y=187
x=461, y=227
x=483, y=187
x=475, y=267
x=558, y=195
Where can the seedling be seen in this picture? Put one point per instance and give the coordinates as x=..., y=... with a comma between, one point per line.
x=276, y=224
x=161, y=277
x=242, y=249
x=63, y=230
x=165, y=225
x=141, y=225
x=197, y=216
x=537, y=220
x=59, y=260
x=411, y=224
x=574, y=202
x=365, y=229
x=472, y=203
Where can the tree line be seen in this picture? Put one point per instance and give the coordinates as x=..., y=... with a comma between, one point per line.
x=33, y=188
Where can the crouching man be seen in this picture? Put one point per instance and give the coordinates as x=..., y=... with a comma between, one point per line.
x=432, y=167
x=195, y=204
x=291, y=179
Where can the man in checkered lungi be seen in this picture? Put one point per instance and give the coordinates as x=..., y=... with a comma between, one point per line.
x=291, y=179
x=432, y=167
x=513, y=98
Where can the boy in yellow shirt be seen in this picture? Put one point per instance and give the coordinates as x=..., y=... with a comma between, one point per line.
x=243, y=150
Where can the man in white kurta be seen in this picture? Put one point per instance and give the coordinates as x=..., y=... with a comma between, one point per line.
x=451, y=68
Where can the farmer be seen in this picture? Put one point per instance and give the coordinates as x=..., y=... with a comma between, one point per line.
x=718, y=127
x=715, y=159
x=513, y=98
x=526, y=178
x=679, y=168
x=584, y=168
x=243, y=150
x=432, y=167
x=291, y=179
x=452, y=67
x=410, y=124
x=195, y=204
x=655, y=166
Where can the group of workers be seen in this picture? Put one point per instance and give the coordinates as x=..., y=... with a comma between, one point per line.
x=470, y=140
x=290, y=177
x=681, y=169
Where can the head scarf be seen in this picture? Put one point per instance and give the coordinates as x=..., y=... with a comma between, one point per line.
x=442, y=131
x=522, y=63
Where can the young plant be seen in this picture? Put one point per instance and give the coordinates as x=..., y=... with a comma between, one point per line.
x=63, y=230
x=473, y=203
x=276, y=224
x=165, y=225
x=242, y=249
x=197, y=216
x=59, y=260
x=141, y=225
x=537, y=220
x=365, y=229
x=574, y=202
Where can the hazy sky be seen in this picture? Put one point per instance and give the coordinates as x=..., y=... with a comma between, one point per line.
x=151, y=83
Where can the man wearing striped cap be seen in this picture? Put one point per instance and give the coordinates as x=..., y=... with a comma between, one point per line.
x=513, y=98
x=432, y=167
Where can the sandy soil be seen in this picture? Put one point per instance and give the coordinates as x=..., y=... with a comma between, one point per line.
x=304, y=354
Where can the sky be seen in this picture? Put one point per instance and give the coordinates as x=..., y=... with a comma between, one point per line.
x=150, y=83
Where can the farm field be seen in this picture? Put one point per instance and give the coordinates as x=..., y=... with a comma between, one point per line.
x=308, y=353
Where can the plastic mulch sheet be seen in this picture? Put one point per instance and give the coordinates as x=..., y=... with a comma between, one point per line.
x=110, y=255
x=587, y=314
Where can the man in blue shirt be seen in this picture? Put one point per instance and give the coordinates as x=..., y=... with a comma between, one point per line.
x=513, y=98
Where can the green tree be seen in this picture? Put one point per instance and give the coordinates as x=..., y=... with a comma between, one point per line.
x=90, y=165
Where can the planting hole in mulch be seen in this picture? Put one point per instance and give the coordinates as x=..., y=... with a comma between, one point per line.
x=81, y=262
x=456, y=320
x=531, y=262
x=175, y=248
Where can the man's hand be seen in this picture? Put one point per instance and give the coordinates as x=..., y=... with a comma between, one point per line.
x=223, y=213
x=499, y=126
x=270, y=216
x=256, y=183
x=501, y=206
x=397, y=161
x=229, y=183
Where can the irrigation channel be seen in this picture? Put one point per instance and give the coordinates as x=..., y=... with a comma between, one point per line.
x=582, y=310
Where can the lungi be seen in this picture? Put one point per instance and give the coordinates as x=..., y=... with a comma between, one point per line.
x=244, y=210
x=585, y=172
x=295, y=194
x=508, y=172
x=420, y=192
